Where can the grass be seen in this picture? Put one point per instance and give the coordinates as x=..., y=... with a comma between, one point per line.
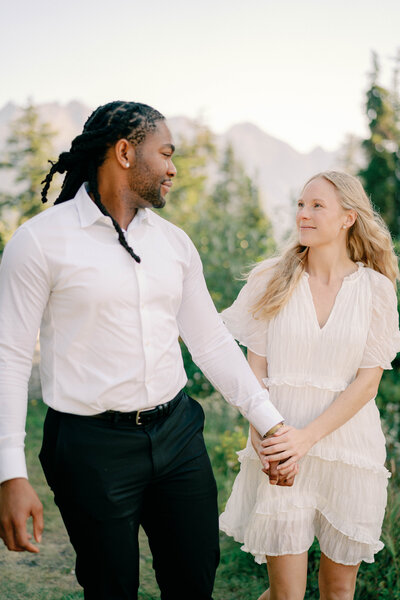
x=50, y=575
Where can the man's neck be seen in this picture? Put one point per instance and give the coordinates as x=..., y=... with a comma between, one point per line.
x=119, y=202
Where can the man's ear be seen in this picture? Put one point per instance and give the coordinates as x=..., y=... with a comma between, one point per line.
x=124, y=153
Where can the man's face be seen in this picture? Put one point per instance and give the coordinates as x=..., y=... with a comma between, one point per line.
x=152, y=170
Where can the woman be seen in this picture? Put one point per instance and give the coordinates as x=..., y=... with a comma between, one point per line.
x=320, y=324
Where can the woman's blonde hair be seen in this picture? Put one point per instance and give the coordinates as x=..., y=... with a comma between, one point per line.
x=368, y=241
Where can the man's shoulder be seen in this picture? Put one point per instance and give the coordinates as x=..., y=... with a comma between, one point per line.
x=170, y=229
x=46, y=229
x=53, y=216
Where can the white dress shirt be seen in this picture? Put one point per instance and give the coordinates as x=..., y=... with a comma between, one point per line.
x=109, y=327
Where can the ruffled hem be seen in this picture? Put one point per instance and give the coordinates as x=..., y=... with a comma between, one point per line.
x=346, y=457
x=386, y=366
x=365, y=554
x=250, y=346
x=333, y=385
x=236, y=330
x=354, y=533
x=330, y=455
x=285, y=520
x=259, y=557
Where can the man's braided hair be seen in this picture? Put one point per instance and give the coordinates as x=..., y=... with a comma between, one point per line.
x=105, y=126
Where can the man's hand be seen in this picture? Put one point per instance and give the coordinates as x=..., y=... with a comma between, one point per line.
x=276, y=477
x=270, y=468
x=256, y=441
x=18, y=502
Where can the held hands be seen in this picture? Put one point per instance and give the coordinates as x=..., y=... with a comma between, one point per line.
x=287, y=445
x=18, y=502
x=270, y=467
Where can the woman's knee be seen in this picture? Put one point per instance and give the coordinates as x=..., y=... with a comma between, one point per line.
x=287, y=576
x=337, y=591
x=337, y=588
x=286, y=594
x=336, y=581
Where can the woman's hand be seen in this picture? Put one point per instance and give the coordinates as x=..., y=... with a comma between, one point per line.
x=270, y=468
x=287, y=446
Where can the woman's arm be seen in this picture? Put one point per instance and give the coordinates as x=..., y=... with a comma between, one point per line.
x=259, y=366
x=291, y=444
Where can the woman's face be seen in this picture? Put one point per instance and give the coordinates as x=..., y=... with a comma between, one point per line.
x=320, y=218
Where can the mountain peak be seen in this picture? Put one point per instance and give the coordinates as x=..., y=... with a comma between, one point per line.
x=278, y=170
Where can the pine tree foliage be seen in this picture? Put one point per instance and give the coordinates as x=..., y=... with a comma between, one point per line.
x=232, y=233
x=218, y=205
x=381, y=176
x=28, y=150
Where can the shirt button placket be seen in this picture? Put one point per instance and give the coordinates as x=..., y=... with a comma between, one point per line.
x=146, y=326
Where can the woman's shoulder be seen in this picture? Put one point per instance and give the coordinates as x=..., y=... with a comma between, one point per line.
x=378, y=280
x=259, y=278
x=383, y=292
x=264, y=269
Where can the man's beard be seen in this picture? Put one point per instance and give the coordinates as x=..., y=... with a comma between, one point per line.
x=155, y=199
x=143, y=185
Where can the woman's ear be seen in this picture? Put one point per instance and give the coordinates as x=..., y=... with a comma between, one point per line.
x=351, y=217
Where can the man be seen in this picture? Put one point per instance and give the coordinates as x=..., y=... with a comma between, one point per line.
x=122, y=442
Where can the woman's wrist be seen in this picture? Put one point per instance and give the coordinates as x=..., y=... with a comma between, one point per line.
x=312, y=434
x=273, y=430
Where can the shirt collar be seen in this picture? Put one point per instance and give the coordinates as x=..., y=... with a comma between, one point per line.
x=143, y=215
x=89, y=213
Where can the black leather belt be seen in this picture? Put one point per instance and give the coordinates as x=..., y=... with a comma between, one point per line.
x=143, y=416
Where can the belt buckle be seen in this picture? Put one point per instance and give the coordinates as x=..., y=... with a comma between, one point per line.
x=138, y=421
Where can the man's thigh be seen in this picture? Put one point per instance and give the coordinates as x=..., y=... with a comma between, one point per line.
x=98, y=474
x=180, y=513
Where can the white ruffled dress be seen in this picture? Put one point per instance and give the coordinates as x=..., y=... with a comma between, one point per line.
x=339, y=495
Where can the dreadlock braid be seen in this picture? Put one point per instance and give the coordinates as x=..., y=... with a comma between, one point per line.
x=92, y=179
x=104, y=127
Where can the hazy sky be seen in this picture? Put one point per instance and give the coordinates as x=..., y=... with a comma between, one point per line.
x=296, y=68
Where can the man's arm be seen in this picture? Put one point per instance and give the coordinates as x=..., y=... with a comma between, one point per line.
x=259, y=366
x=24, y=292
x=217, y=354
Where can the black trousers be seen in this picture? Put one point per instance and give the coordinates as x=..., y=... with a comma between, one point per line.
x=108, y=478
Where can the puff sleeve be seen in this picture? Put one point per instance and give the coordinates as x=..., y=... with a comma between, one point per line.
x=247, y=330
x=383, y=341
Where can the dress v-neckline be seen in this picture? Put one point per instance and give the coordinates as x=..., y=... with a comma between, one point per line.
x=335, y=302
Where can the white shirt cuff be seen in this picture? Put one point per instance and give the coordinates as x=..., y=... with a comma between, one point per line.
x=263, y=415
x=12, y=464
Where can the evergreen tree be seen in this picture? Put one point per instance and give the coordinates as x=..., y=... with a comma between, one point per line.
x=381, y=176
x=193, y=160
x=351, y=158
x=232, y=233
x=225, y=222
x=28, y=150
